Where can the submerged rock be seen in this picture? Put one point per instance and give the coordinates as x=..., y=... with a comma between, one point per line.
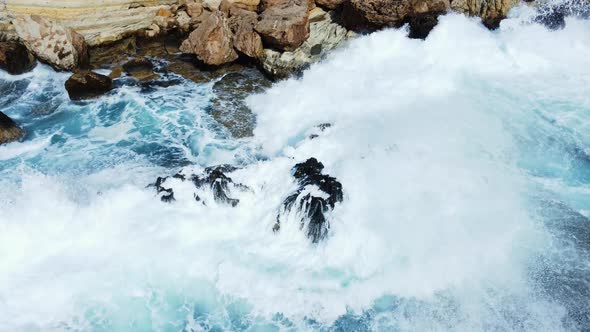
x=15, y=58
x=9, y=130
x=52, y=43
x=317, y=195
x=87, y=84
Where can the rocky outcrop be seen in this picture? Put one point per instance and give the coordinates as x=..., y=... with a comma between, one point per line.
x=15, y=58
x=9, y=130
x=330, y=4
x=317, y=195
x=87, y=84
x=52, y=43
x=246, y=41
x=284, y=26
x=98, y=21
x=325, y=35
x=490, y=11
x=211, y=42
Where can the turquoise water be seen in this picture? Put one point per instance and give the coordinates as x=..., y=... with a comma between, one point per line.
x=465, y=161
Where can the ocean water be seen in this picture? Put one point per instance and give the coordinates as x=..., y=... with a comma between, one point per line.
x=465, y=164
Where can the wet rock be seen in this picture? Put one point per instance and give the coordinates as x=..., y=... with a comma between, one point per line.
x=211, y=42
x=229, y=107
x=141, y=68
x=166, y=194
x=552, y=15
x=370, y=15
x=317, y=195
x=284, y=26
x=87, y=84
x=15, y=58
x=490, y=11
x=9, y=130
x=52, y=43
x=325, y=35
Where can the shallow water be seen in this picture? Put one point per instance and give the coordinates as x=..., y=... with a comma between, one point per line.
x=465, y=162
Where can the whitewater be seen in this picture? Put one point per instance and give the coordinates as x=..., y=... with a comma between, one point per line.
x=465, y=165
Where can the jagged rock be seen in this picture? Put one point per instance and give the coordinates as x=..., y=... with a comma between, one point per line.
x=166, y=194
x=490, y=11
x=141, y=68
x=246, y=41
x=183, y=21
x=552, y=15
x=87, y=84
x=284, y=26
x=52, y=43
x=211, y=42
x=15, y=58
x=362, y=15
x=317, y=195
x=9, y=130
x=265, y=4
x=325, y=35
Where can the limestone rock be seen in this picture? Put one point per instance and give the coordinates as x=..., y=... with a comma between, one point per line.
x=325, y=35
x=15, y=58
x=246, y=40
x=52, y=43
x=330, y=4
x=211, y=42
x=87, y=84
x=284, y=26
x=9, y=130
x=490, y=11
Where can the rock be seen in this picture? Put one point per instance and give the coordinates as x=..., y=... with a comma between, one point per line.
x=141, y=68
x=52, y=43
x=325, y=35
x=330, y=4
x=9, y=130
x=211, y=42
x=246, y=41
x=490, y=11
x=184, y=21
x=265, y=4
x=317, y=195
x=86, y=84
x=284, y=26
x=99, y=21
x=194, y=9
x=362, y=15
x=552, y=15
x=229, y=107
x=15, y=58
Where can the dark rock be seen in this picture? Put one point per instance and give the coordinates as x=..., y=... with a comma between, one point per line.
x=15, y=58
x=553, y=15
x=141, y=68
x=9, y=130
x=86, y=84
x=166, y=194
x=421, y=25
x=313, y=209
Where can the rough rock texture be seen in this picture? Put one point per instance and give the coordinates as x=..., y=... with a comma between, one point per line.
x=325, y=35
x=246, y=41
x=317, y=195
x=330, y=4
x=376, y=14
x=52, y=43
x=490, y=11
x=284, y=26
x=211, y=42
x=99, y=21
x=87, y=84
x=9, y=130
x=15, y=58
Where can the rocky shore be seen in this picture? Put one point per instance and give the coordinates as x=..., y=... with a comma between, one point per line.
x=202, y=39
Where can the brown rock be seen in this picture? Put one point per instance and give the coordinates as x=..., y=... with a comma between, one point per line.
x=330, y=4
x=164, y=12
x=86, y=84
x=242, y=23
x=211, y=42
x=266, y=4
x=9, y=130
x=194, y=9
x=284, y=26
x=490, y=11
x=81, y=48
x=15, y=58
x=141, y=68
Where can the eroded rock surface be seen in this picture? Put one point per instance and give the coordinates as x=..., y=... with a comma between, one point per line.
x=212, y=41
x=15, y=58
x=87, y=84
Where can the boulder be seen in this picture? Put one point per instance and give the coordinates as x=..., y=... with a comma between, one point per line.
x=246, y=41
x=141, y=68
x=490, y=11
x=325, y=35
x=284, y=26
x=9, y=130
x=316, y=196
x=330, y=4
x=15, y=58
x=87, y=84
x=363, y=15
x=211, y=42
x=52, y=43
